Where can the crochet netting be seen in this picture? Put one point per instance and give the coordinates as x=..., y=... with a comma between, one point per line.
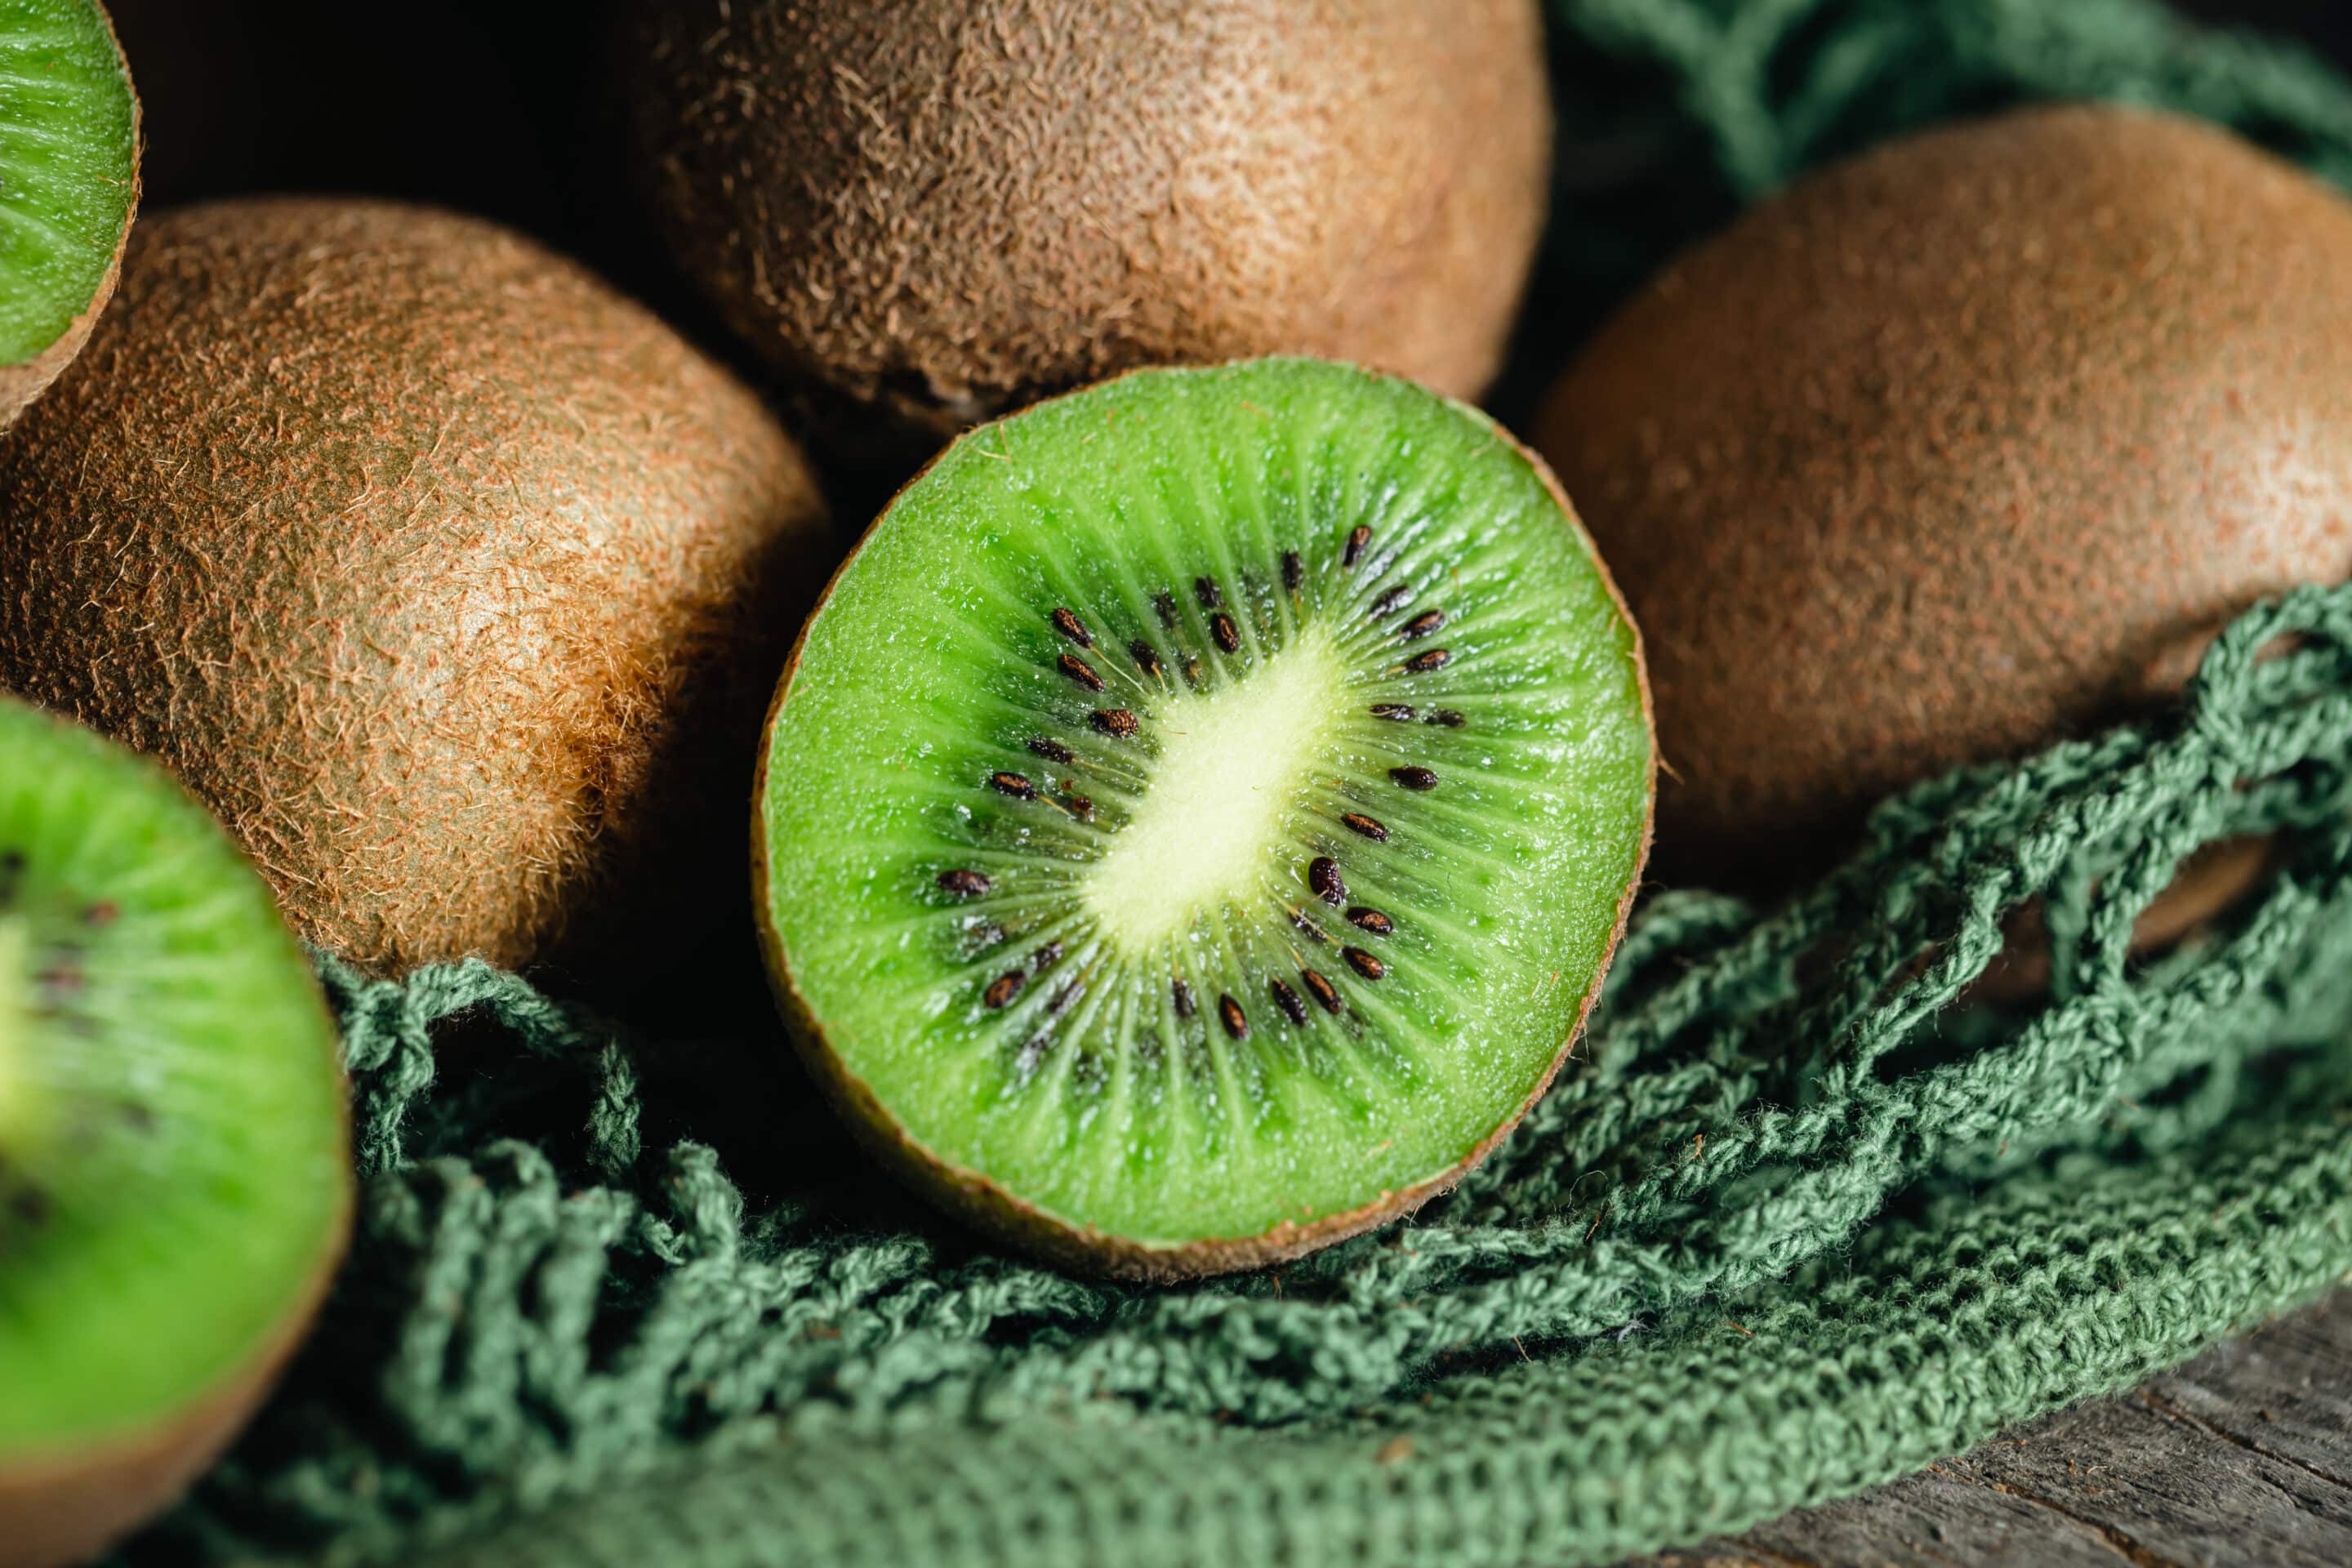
x=1801, y=1217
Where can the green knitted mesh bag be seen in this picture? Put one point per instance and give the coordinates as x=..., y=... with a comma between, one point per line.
x=1797, y=1223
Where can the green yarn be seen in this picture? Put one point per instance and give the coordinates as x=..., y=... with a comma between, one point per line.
x=1801, y=1221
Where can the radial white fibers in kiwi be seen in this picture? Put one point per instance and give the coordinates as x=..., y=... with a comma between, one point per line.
x=69, y=183
x=174, y=1184
x=1198, y=818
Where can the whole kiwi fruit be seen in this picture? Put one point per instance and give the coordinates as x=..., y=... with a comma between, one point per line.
x=449, y=577
x=949, y=209
x=1956, y=450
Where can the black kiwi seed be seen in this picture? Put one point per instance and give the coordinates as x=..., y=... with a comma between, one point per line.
x=1082, y=672
x=1051, y=750
x=1116, y=722
x=1323, y=875
x=1221, y=626
x=1046, y=957
x=1421, y=625
x=1395, y=712
x=1357, y=540
x=1004, y=989
x=1181, y=994
x=1237, y=1021
x=1070, y=626
x=1363, y=963
x=1423, y=663
x=1373, y=921
x=965, y=884
x=1164, y=604
x=1206, y=590
x=1294, y=570
x=1146, y=659
x=1287, y=1000
x=1082, y=804
x=1012, y=784
x=1370, y=827
x=1326, y=994
x=1414, y=778
x=1387, y=602
x=1446, y=718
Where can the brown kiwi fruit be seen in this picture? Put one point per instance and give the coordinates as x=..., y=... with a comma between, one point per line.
x=949, y=209
x=448, y=576
x=1956, y=450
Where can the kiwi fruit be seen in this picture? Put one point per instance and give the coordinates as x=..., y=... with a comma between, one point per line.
x=68, y=185
x=175, y=1182
x=1196, y=820
x=454, y=581
x=944, y=210
x=1956, y=450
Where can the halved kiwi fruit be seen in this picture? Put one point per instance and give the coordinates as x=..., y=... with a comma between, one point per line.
x=174, y=1180
x=68, y=185
x=1196, y=821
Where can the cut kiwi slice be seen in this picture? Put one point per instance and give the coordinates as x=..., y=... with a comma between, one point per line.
x=1194, y=825
x=68, y=185
x=174, y=1180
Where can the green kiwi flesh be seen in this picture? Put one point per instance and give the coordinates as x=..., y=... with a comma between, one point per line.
x=68, y=185
x=946, y=208
x=448, y=576
x=1955, y=450
x=174, y=1180
x=1199, y=816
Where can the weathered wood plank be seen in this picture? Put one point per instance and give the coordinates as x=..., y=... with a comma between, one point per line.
x=2242, y=1457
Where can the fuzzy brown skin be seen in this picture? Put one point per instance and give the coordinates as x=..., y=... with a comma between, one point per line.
x=448, y=576
x=20, y=384
x=948, y=209
x=1083, y=1250
x=1956, y=450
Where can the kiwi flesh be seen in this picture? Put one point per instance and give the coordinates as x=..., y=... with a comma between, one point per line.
x=175, y=1182
x=451, y=579
x=68, y=185
x=945, y=209
x=1197, y=819
x=1956, y=450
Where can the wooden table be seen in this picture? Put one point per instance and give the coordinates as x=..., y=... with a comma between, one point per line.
x=2241, y=1459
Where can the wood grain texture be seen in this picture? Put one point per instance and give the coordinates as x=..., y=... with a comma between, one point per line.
x=2242, y=1456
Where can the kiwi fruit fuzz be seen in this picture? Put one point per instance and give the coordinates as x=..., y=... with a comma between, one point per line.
x=68, y=185
x=175, y=1182
x=452, y=580
x=1195, y=822
x=1956, y=450
x=945, y=210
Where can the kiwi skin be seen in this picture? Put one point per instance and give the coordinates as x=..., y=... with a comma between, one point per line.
x=949, y=208
x=1956, y=450
x=72, y=1507
x=987, y=1207
x=21, y=384
x=449, y=578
